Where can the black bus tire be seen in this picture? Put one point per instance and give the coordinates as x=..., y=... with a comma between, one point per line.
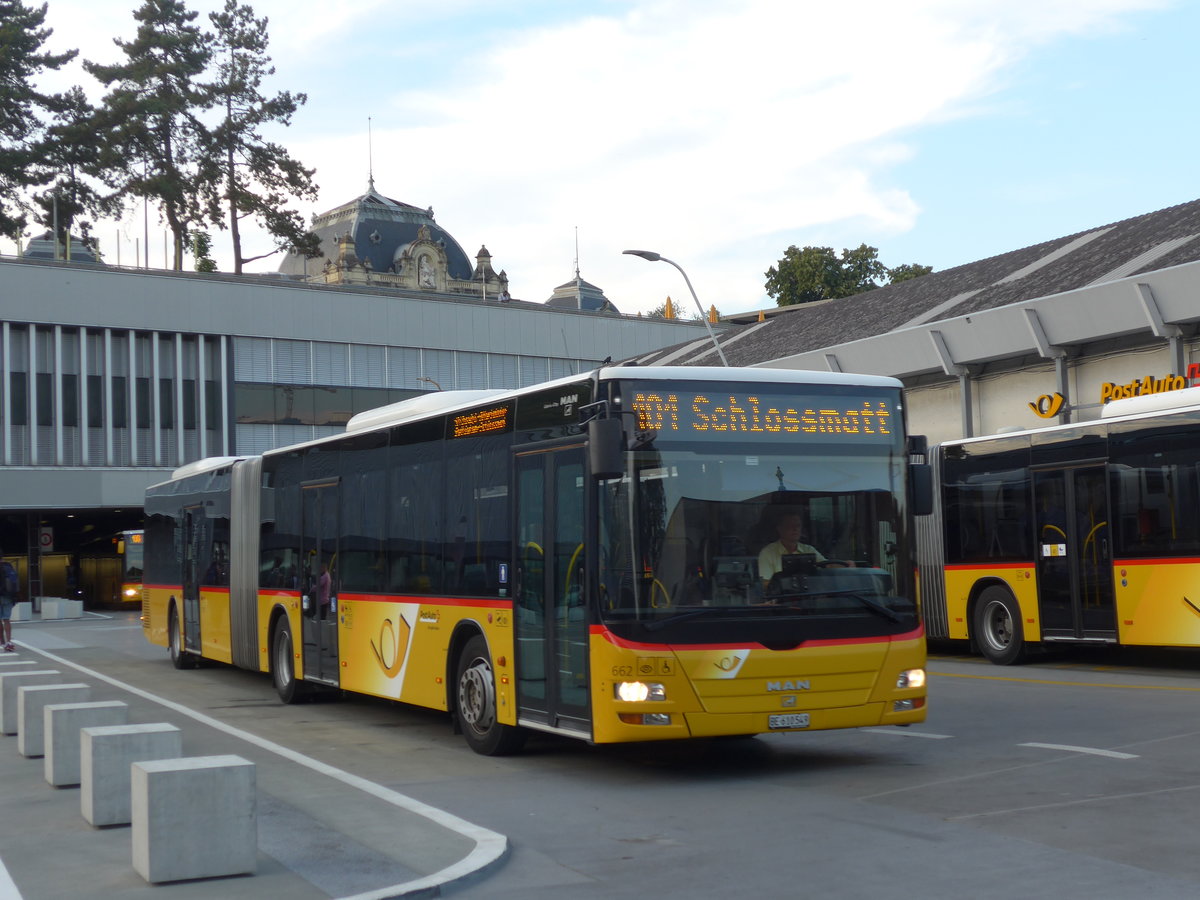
x=180, y=658
x=475, y=703
x=997, y=627
x=283, y=666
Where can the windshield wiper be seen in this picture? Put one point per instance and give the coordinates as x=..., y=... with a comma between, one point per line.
x=657, y=624
x=873, y=605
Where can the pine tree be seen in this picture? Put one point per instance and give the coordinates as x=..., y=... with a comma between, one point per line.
x=21, y=105
x=256, y=178
x=152, y=114
x=73, y=150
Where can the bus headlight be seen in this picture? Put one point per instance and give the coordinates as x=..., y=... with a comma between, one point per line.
x=131, y=592
x=911, y=678
x=637, y=691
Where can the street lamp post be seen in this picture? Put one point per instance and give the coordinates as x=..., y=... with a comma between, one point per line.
x=657, y=257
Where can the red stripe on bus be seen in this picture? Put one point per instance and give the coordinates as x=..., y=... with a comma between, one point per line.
x=601, y=630
x=178, y=587
x=484, y=602
x=970, y=567
x=1159, y=561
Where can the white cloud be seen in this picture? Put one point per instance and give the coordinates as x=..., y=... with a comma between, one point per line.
x=713, y=132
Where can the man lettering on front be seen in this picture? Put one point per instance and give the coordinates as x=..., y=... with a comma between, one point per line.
x=770, y=558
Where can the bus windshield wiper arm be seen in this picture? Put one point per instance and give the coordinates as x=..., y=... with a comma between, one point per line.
x=656, y=624
x=873, y=605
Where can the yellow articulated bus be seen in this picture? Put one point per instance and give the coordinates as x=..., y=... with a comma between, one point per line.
x=632, y=554
x=1072, y=534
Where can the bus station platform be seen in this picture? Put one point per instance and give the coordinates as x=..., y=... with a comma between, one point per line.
x=322, y=832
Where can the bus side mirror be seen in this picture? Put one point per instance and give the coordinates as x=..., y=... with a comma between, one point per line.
x=920, y=488
x=606, y=448
x=918, y=445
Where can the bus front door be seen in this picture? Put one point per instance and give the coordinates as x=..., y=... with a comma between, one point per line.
x=1074, y=554
x=319, y=582
x=549, y=611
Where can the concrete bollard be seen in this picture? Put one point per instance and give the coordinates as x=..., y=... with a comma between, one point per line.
x=63, y=722
x=106, y=757
x=9, y=682
x=61, y=608
x=194, y=818
x=32, y=700
x=22, y=611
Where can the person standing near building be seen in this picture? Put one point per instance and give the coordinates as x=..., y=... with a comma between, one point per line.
x=8, y=596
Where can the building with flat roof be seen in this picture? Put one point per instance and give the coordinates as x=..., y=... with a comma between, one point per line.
x=112, y=377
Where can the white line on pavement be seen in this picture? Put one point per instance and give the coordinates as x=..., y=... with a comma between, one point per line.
x=490, y=846
x=8, y=888
x=1094, y=751
x=904, y=732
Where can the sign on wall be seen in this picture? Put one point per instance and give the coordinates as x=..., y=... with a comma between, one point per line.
x=1047, y=406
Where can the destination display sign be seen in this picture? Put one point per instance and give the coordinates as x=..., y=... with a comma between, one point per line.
x=756, y=415
x=491, y=420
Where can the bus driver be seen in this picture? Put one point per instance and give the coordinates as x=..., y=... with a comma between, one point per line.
x=789, y=530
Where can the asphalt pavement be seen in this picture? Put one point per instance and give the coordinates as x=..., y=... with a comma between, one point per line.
x=322, y=832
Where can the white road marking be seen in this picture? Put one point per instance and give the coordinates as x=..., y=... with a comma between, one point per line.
x=905, y=732
x=8, y=888
x=1094, y=751
x=490, y=846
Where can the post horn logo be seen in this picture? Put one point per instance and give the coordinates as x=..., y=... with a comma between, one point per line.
x=1048, y=405
x=393, y=643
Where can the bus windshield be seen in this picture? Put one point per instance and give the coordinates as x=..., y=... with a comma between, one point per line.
x=698, y=539
x=134, y=556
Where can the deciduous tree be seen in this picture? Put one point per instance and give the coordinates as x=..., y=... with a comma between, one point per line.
x=818, y=273
x=907, y=272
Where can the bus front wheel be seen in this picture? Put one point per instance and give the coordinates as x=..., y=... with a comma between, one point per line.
x=998, y=630
x=180, y=658
x=476, y=703
x=283, y=666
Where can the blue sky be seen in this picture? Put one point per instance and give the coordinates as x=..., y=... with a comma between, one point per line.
x=718, y=133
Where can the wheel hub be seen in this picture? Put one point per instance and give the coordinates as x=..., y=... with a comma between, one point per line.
x=477, y=697
x=999, y=630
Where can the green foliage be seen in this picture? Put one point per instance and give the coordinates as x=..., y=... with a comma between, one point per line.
x=180, y=126
x=817, y=273
x=22, y=58
x=907, y=272
x=201, y=248
x=151, y=114
x=248, y=175
x=72, y=152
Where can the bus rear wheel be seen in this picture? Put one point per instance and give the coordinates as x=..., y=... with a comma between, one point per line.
x=180, y=658
x=283, y=666
x=476, y=703
x=997, y=627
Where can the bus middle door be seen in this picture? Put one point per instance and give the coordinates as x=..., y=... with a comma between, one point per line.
x=549, y=611
x=1074, y=554
x=195, y=552
x=319, y=581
